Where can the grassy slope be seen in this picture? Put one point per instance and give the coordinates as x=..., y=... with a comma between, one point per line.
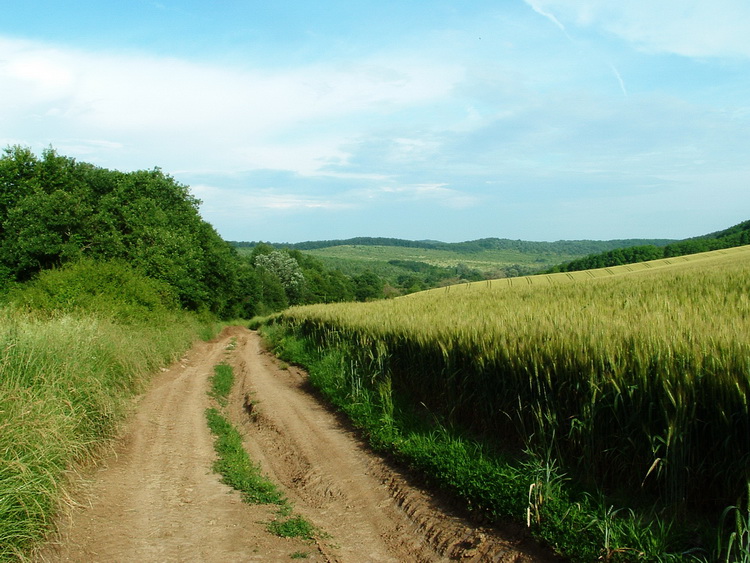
x=488, y=256
x=354, y=259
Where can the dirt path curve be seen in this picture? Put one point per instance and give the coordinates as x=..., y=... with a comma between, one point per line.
x=157, y=499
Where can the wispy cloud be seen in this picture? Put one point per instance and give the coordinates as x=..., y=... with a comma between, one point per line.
x=251, y=202
x=692, y=28
x=537, y=7
x=438, y=194
x=619, y=80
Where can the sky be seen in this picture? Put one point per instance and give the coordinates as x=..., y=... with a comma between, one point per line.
x=447, y=120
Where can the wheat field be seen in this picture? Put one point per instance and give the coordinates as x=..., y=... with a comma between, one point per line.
x=632, y=377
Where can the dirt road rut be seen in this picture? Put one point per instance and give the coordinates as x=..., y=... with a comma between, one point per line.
x=157, y=499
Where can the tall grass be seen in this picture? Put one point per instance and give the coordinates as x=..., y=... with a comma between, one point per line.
x=65, y=381
x=634, y=380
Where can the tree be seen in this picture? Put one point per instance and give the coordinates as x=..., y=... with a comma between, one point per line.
x=287, y=271
x=368, y=286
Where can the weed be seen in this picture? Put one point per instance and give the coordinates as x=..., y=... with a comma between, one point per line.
x=240, y=473
x=293, y=527
x=737, y=538
x=221, y=383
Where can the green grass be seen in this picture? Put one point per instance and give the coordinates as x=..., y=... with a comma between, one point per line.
x=354, y=260
x=239, y=472
x=221, y=383
x=485, y=260
x=293, y=527
x=236, y=468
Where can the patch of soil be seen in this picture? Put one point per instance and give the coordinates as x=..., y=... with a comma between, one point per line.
x=157, y=498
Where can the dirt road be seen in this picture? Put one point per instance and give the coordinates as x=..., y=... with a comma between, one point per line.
x=157, y=499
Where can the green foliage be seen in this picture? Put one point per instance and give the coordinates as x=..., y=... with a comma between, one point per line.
x=734, y=236
x=54, y=210
x=286, y=270
x=339, y=270
x=110, y=289
x=368, y=286
x=576, y=247
x=284, y=277
x=293, y=527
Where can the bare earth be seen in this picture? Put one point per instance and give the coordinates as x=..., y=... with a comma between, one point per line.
x=156, y=499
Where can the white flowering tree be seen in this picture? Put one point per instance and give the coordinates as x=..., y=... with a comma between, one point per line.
x=286, y=269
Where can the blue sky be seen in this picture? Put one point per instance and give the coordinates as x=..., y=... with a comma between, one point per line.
x=443, y=119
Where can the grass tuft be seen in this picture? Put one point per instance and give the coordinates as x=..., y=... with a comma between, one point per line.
x=221, y=383
x=235, y=466
x=293, y=527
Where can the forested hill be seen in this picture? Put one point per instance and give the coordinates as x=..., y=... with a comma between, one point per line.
x=737, y=235
x=567, y=247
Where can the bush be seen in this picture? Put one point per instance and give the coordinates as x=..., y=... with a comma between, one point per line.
x=112, y=289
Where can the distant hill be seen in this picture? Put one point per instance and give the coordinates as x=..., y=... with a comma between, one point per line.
x=576, y=247
x=405, y=266
x=737, y=235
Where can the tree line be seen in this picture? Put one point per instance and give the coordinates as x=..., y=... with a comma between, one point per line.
x=568, y=247
x=737, y=235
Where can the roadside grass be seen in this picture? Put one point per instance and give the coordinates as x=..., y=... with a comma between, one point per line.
x=76, y=345
x=66, y=380
x=239, y=472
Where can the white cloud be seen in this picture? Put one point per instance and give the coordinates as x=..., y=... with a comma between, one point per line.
x=230, y=117
x=435, y=193
x=693, y=28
